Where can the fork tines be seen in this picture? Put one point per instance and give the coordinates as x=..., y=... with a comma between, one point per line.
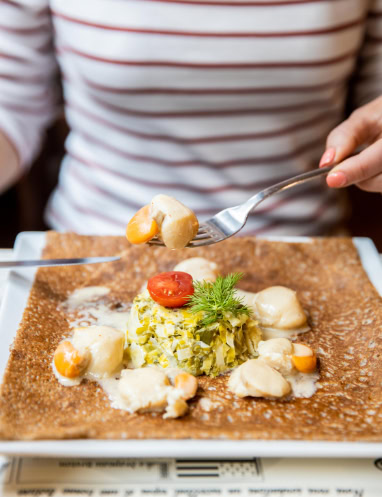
x=201, y=238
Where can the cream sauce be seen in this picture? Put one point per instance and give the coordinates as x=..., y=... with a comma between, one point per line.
x=278, y=353
x=85, y=307
x=110, y=387
x=83, y=296
x=199, y=268
x=303, y=384
x=167, y=398
x=72, y=382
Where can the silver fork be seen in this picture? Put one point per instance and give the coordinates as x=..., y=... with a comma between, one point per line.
x=230, y=221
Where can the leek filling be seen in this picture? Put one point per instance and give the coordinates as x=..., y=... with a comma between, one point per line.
x=177, y=338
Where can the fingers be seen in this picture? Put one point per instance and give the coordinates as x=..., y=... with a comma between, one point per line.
x=362, y=169
x=363, y=126
x=372, y=184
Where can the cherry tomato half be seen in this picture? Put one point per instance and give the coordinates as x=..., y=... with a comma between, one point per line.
x=171, y=289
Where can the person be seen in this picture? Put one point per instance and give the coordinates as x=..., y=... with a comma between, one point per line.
x=209, y=101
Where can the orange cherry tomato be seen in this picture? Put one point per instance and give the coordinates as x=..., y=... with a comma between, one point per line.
x=187, y=383
x=305, y=364
x=304, y=359
x=171, y=289
x=141, y=227
x=69, y=361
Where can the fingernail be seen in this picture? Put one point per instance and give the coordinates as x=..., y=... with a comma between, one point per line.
x=327, y=157
x=336, y=180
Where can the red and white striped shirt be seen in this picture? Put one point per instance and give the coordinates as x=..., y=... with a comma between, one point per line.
x=209, y=101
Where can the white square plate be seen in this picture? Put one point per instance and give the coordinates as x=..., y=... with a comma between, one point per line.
x=28, y=246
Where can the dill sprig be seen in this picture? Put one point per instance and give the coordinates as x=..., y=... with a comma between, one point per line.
x=216, y=299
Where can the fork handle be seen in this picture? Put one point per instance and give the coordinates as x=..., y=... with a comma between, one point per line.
x=252, y=202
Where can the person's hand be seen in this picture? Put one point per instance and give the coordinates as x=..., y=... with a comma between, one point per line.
x=362, y=128
x=9, y=163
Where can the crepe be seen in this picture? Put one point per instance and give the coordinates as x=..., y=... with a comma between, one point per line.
x=345, y=314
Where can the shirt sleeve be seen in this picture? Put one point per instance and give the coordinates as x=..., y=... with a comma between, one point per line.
x=368, y=81
x=28, y=94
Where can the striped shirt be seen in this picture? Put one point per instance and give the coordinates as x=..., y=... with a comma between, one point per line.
x=209, y=101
